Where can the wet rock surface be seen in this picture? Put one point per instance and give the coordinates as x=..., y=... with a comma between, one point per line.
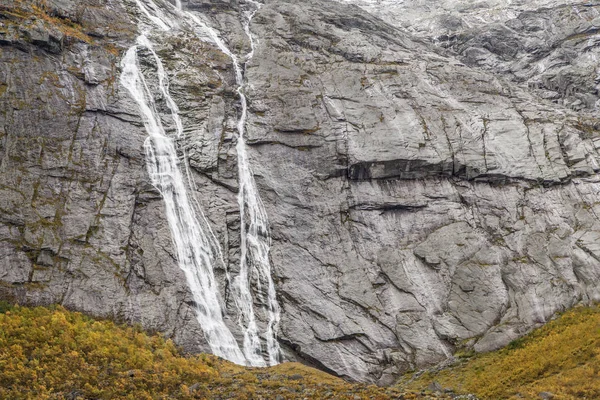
x=421, y=199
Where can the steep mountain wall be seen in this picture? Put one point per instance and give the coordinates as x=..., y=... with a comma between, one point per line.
x=417, y=204
x=81, y=223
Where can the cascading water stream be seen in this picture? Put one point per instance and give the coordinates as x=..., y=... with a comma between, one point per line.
x=197, y=248
x=256, y=239
x=255, y=235
x=191, y=242
x=158, y=20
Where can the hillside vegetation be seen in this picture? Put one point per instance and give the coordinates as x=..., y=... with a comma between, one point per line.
x=559, y=361
x=51, y=353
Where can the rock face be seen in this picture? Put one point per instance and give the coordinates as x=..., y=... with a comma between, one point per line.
x=549, y=45
x=422, y=198
x=81, y=224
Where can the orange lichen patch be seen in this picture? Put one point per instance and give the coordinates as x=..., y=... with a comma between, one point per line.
x=18, y=11
x=112, y=49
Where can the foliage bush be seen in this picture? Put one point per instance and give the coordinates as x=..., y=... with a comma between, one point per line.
x=51, y=353
x=562, y=358
x=48, y=351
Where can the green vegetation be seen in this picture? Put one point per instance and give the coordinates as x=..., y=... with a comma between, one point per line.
x=51, y=353
x=562, y=358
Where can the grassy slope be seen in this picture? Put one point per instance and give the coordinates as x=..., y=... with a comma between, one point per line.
x=562, y=358
x=50, y=353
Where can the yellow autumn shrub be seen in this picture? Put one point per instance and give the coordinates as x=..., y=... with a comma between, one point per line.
x=44, y=352
x=51, y=353
x=562, y=358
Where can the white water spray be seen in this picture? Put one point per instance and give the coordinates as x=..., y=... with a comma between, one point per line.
x=157, y=18
x=255, y=235
x=256, y=239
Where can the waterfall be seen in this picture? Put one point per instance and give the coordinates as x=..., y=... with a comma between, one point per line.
x=197, y=248
x=191, y=241
x=255, y=235
x=256, y=238
x=157, y=18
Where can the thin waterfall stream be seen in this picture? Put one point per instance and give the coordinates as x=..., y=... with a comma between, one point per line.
x=256, y=238
x=255, y=234
x=198, y=250
x=191, y=242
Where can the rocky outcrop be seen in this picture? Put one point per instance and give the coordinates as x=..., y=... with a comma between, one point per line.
x=418, y=203
x=550, y=46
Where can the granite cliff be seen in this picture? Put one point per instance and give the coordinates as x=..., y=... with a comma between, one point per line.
x=429, y=176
